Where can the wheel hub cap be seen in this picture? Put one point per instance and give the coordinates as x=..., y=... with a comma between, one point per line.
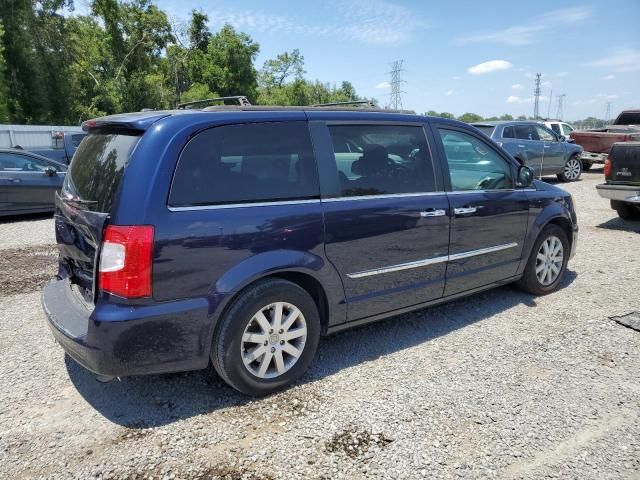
x=273, y=340
x=549, y=260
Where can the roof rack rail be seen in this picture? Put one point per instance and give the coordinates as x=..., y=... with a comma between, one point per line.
x=241, y=99
x=368, y=103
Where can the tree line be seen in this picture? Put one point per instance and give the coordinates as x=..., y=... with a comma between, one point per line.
x=58, y=68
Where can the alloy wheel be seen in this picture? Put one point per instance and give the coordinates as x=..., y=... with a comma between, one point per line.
x=273, y=340
x=549, y=260
x=572, y=169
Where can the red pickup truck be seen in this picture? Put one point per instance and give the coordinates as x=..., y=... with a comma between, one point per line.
x=597, y=143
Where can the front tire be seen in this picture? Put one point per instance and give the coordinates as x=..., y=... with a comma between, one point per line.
x=547, y=263
x=572, y=170
x=625, y=210
x=267, y=338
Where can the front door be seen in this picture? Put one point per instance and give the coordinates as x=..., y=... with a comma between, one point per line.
x=553, y=152
x=489, y=215
x=25, y=184
x=386, y=215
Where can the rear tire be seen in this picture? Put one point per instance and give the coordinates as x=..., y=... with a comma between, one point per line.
x=571, y=170
x=259, y=346
x=626, y=211
x=550, y=254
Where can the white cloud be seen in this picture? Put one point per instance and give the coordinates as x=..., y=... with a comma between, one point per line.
x=623, y=60
x=516, y=99
x=532, y=31
x=372, y=22
x=609, y=77
x=449, y=93
x=590, y=101
x=488, y=67
x=517, y=86
x=383, y=85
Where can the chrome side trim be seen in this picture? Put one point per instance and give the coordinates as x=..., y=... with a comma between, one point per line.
x=400, y=266
x=430, y=261
x=386, y=195
x=481, y=251
x=242, y=205
x=506, y=190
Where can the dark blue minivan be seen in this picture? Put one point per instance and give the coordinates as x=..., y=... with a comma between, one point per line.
x=238, y=235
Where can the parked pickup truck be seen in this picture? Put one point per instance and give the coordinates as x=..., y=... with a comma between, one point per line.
x=622, y=180
x=597, y=143
x=64, y=145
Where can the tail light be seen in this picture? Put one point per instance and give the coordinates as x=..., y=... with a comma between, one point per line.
x=607, y=167
x=125, y=260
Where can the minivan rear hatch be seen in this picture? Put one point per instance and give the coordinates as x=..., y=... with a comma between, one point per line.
x=86, y=199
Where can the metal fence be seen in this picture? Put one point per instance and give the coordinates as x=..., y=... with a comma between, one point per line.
x=31, y=136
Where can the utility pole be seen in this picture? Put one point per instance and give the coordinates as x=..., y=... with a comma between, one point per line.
x=396, y=92
x=607, y=116
x=559, y=112
x=550, y=100
x=536, y=96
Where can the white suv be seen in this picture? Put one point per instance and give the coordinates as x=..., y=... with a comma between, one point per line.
x=560, y=128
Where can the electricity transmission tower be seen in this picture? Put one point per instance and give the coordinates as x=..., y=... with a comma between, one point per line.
x=396, y=92
x=559, y=112
x=607, y=116
x=536, y=97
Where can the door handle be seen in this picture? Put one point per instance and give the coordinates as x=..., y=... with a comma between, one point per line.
x=464, y=210
x=433, y=213
x=521, y=146
x=547, y=146
x=14, y=180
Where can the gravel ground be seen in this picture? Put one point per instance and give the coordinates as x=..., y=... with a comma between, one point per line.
x=501, y=384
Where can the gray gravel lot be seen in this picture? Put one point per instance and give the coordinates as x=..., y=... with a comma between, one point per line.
x=501, y=384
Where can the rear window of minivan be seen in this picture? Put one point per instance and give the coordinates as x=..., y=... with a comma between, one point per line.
x=245, y=163
x=97, y=168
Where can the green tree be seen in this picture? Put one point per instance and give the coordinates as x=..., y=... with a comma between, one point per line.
x=506, y=116
x=4, y=108
x=469, y=117
x=228, y=67
x=432, y=113
x=275, y=72
x=447, y=115
x=199, y=33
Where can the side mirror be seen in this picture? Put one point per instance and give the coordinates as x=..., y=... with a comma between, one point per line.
x=525, y=176
x=49, y=171
x=562, y=138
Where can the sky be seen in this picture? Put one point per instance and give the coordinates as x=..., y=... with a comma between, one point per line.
x=464, y=56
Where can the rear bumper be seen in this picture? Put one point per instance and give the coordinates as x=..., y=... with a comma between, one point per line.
x=621, y=193
x=120, y=340
x=588, y=157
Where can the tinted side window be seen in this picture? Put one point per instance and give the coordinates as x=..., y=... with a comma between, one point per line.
x=246, y=163
x=20, y=163
x=526, y=132
x=545, y=135
x=508, y=132
x=473, y=165
x=382, y=159
x=567, y=129
x=556, y=128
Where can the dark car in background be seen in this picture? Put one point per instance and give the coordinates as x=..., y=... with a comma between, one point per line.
x=28, y=182
x=537, y=146
x=237, y=235
x=622, y=179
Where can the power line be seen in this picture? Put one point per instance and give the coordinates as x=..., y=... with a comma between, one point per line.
x=559, y=112
x=396, y=92
x=607, y=116
x=536, y=97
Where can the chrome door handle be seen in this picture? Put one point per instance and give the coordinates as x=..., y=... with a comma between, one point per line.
x=433, y=213
x=547, y=146
x=464, y=210
x=521, y=146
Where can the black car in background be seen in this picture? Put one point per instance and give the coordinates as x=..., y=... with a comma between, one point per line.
x=622, y=180
x=28, y=182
